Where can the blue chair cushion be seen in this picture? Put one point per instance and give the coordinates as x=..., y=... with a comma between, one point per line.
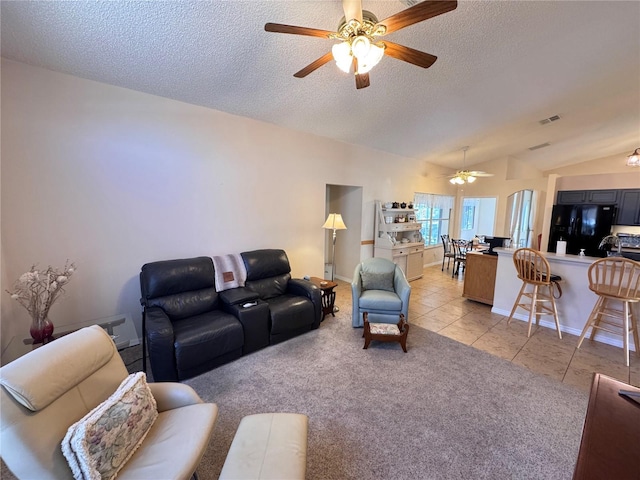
x=379, y=300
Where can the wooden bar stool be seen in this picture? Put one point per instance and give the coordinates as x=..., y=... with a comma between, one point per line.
x=533, y=269
x=614, y=279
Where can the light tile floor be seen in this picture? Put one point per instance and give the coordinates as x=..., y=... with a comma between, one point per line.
x=437, y=304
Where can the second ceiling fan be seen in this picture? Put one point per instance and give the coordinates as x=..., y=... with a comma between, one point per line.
x=360, y=48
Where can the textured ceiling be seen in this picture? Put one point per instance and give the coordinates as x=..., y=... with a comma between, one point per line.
x=502, y=66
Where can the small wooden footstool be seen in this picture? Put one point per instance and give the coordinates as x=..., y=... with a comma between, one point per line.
x=385, y=332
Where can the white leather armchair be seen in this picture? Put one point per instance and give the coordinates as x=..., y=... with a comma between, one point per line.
x=44, y=392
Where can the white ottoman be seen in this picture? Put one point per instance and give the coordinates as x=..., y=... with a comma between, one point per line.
x=268, y=446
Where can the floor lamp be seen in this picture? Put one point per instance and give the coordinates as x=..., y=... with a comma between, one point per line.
x=334, y=222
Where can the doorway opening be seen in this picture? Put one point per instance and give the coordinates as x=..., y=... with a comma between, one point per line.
x=477, y=217
x=521, y=217
x=347, y=201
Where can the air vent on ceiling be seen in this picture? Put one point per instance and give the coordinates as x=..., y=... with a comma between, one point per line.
x=410, y=3
x=549, y=120
x=542, y=145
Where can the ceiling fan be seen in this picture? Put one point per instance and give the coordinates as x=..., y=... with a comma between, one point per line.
x=466, y=176
x=359, y=48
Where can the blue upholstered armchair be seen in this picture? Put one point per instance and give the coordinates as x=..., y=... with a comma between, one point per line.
x=380, y=288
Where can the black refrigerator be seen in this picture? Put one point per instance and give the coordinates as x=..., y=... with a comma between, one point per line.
x=581, y=226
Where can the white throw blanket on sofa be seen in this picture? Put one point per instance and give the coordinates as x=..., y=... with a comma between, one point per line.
x=230, y=271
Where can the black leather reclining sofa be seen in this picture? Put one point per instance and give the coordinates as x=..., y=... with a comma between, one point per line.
x=189, y=328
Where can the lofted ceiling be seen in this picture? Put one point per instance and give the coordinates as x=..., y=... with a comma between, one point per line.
x=502, y=67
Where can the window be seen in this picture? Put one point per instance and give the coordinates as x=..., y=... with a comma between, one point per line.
x=434, y=212
x=468, y=214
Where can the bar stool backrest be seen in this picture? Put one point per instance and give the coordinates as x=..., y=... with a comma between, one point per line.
x=616, y=277
x=531, y=266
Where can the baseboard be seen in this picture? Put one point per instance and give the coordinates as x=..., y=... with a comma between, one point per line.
x=602, y=337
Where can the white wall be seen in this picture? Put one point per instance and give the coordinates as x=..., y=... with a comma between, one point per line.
x=501, y=185
x=112, y=178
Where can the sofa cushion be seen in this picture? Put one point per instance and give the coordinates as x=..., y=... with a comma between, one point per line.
x=174, y=445
x=290, y=313
x=270, y=287
x=379, y=300
x=204, y=337
x=38, y=379
x=186, y=304
x=168, y=277
x=265, y=263
x=236, y=296
x=377, y=281
x=99, y=444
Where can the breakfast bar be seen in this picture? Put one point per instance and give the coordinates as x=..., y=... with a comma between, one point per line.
x=575, y=304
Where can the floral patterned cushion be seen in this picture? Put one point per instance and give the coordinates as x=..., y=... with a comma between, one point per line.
x=99, y=444
x=384, y=329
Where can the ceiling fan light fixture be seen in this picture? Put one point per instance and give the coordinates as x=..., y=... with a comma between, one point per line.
x=373, y=57
x=368, y=54
x=633, y=160
x=342, y=55
x=360, y=47
x=471, y=179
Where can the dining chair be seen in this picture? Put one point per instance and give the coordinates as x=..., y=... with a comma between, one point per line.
x=448, y=253
x=460, y=248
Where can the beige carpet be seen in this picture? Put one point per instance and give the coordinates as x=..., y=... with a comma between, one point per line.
x=441, y=411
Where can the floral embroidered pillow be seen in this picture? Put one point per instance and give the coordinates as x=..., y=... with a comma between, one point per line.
x=99, y=444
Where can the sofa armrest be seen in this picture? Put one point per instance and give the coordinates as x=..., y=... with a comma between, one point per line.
x=403, y=289
x=237, y=296
x=160, y=339
x=170, y=395
x=304, y=288
x=356, y=292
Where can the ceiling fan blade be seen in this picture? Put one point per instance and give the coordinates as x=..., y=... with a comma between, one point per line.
x=326, y=58
x=418, y=13
x=362, y=81
x=352, y=9
x=416, y=57
x=311, y=32
x=481, y=174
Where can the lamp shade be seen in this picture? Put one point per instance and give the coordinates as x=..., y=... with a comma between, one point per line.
x=334, y=222
x=633, y=160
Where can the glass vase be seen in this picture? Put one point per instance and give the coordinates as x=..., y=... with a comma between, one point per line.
x=41, y=331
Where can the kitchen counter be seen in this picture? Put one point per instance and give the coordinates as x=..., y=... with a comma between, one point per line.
x=576, y=303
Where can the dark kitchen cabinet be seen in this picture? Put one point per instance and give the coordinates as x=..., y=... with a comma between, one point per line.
x=571, y=197
x=578, y=197
x=629, y=207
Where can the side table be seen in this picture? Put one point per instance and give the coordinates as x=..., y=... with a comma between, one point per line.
x=611, y=432
x=19, y=346
x=328, y=295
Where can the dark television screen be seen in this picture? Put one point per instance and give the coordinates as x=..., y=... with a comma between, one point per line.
x=493, y=243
